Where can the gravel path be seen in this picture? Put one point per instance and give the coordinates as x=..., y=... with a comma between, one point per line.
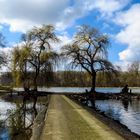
x=66, y=120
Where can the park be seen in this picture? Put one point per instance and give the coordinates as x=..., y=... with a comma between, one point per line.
x=73, y=107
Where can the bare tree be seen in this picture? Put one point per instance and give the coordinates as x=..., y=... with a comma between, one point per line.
x=89, y=51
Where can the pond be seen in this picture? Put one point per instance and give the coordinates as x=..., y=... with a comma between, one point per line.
x=128, y=113
x=82, y=89
x=17, y=118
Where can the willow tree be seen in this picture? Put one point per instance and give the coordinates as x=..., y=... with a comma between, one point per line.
x=89, y=51
x=20, y=67
x=35, y=54
x=42, y=56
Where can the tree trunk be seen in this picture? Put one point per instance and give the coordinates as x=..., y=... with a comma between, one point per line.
x=35, y=100
x=92, y=98
x=35, y=80
x=35, y=83
x=93, y=82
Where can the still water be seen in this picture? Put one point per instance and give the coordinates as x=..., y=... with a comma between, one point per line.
x=13, y=119
x=81, y=89
x=128, y=113
x=17, y=118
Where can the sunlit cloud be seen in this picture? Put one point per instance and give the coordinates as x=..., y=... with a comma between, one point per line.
x=130, y=33
x=24, y=14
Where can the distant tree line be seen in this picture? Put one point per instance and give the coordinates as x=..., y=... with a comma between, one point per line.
x=81, y=78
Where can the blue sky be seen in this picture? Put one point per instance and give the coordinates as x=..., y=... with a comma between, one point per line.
x=120, y=19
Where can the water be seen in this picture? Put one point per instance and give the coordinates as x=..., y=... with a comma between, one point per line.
x=16, y=120
x=128, y=113
x=4, y=107
x=75, y=89
x=81, y=89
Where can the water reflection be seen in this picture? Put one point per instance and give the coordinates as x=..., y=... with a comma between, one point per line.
x=17, y=123
x=17, y=126
x=125, y=111
x=4, y=133
x=125, y=104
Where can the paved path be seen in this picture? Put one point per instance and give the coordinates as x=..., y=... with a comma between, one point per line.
x=67, y=120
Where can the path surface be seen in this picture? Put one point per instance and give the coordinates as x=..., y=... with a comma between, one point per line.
x=67, y=120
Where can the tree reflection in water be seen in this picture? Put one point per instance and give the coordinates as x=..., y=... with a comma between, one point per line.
x=17, y=125
x=20, y=122
x=126, y=103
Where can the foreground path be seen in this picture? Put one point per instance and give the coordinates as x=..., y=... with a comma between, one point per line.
x=67, y=120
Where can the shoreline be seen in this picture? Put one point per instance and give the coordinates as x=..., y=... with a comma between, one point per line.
x=114, y=124
x=121, y=129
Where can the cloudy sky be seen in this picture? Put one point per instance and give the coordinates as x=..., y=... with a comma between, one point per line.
x=120, y=19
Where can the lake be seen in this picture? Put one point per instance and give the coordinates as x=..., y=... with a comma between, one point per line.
x=128, y=113
x=81, y=89
x=16, y=119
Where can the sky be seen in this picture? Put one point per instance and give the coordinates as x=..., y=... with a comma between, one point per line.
x=119, y=19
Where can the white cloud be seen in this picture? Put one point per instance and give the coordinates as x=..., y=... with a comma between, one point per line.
x=130, y=54
x=123, y=65
x=64, y=40
x=108, y=7
x=21, y=15
x=130, y=34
